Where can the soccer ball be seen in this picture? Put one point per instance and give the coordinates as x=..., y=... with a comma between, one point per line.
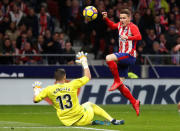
x=90, y=13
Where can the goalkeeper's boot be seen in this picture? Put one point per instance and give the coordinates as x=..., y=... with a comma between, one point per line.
x=115, y=85
x=136, y=106
x=117, y=122
x=98, y=122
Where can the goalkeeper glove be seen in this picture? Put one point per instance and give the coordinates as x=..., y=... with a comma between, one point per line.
x=37, y=87
x=82, y=59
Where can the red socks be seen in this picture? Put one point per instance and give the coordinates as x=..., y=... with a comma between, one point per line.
x=114, y=70
x=125, y=91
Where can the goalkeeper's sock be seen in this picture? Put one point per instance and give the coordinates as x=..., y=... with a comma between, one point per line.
x=100, y=112
x=125, y=91
x=114, y=70
x=98, y=122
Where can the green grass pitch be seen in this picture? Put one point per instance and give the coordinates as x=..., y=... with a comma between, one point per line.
x=43, y=118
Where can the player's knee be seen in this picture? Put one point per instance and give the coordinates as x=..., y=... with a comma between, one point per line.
x=108, y=58
x=89, y=104
x=111, y=57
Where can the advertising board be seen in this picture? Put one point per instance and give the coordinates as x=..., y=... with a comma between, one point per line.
x=148, y=91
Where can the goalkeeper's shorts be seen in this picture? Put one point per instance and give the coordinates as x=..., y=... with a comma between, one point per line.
x=88, y=115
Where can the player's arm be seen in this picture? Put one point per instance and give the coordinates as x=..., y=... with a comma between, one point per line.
x=111, y=24
x=39, y=94
x=81, y=58
x=43, y=94
x=87, y=72
x=136, y=35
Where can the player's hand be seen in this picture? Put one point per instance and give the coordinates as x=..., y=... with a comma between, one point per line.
x=82, y=59
x=37, y=87
x=104, y=14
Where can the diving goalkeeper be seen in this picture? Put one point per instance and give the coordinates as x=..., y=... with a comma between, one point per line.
x=65, y=100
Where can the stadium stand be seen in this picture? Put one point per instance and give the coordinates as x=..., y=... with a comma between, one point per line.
x=47, y=28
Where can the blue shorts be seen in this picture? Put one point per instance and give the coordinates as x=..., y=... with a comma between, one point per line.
x=125, y=60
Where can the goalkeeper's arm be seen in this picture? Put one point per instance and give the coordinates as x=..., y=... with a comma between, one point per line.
x=37, y=89
x=87, y=72
x=82, y=59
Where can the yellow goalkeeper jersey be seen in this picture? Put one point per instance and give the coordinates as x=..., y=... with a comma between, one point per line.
x=65, y=100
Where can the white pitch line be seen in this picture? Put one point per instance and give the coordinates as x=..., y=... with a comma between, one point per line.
x=84, y=128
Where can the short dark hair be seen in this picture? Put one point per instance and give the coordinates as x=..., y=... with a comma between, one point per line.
x=59, y=74
x=68, y=41
x=126, y=11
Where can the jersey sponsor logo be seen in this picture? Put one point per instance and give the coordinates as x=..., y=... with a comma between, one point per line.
x=147, y=93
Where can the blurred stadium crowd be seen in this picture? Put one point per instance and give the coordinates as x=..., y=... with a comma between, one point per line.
x=57, y=26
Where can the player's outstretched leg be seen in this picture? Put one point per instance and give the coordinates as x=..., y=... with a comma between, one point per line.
x=114, y=70
x=135, y=103
x=100, y=112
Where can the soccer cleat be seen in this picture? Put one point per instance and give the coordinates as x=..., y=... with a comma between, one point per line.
x=136, y=106
x=117, y=122
x=98, y=122
x=115, y=86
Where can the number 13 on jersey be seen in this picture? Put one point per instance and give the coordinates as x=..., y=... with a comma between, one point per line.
x=66, y=99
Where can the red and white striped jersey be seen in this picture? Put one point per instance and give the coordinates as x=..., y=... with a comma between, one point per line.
x=132, y=31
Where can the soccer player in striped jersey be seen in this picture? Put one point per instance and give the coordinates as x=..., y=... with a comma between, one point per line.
x=128, y=36
x=65, y=100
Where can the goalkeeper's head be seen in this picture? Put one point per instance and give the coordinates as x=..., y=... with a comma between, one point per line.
x=60, y=75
